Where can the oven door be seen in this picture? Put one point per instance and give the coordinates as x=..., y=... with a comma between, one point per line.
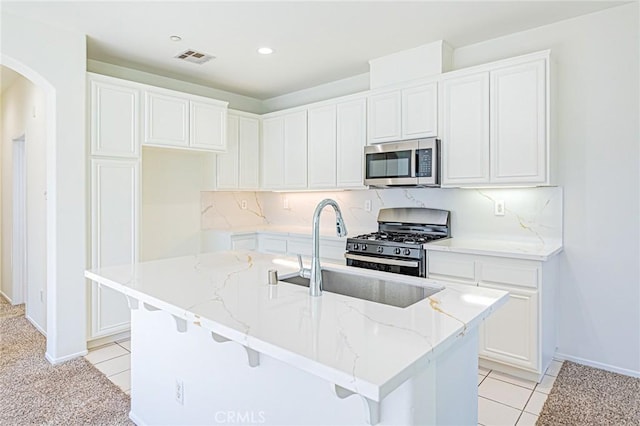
x=391, y=164
x=413, y=267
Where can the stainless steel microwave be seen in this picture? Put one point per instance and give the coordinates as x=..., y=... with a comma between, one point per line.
x=406, y=163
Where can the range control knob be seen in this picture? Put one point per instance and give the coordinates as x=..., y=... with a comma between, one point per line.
x=364, y=247
x=407, y=252
x=397, y=250
x=379, y=249
x=356, y=246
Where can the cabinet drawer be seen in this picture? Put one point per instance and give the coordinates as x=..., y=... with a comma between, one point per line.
x=273, y=245
x=333, y=250
x=459, y=267
x=245, y=243
x=510, y=272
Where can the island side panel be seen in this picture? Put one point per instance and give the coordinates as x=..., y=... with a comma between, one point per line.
x=189, y=378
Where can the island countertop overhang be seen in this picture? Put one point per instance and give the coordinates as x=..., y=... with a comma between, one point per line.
x=362, y=346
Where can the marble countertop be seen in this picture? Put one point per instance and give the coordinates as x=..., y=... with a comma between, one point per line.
x=480, y=245
x=302, y=231
x=366, y=347
x=503, y=248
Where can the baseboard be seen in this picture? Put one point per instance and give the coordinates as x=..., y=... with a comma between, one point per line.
x=2, y=293
x=137, y=420
x=595, y=364
x=36, y=325
x=56, y=361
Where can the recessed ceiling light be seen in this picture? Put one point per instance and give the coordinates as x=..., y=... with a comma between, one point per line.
x=175, y=38
x=265, y=51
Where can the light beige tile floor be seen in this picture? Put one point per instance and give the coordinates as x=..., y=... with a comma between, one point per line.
x=503, y=400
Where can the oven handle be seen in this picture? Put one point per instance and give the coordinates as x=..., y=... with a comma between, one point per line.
x=384, y=261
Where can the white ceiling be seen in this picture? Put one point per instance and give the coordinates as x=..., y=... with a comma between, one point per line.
x=315, y=42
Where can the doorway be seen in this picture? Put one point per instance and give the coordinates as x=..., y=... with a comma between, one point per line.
x=19, y=228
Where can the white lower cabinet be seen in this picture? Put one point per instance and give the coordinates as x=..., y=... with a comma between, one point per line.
x=511, y=333
x=270, y=243
x=244, y=242
x=115, y=206
x=519, y=338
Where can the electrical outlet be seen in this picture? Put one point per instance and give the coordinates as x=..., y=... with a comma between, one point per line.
x=498, y=208
x=367, y=205
x=285, y=203
x=180, y=392
x=243, y=204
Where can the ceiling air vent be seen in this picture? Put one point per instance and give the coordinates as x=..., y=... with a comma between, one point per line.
x=194, y=56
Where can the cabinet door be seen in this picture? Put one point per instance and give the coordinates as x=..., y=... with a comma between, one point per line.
x=115, y=114
x=510, y=334
x=518, y=124
x=465, y=135
x=420, y=111
x=273, y=153
x=249, y=153
x=384, y=117
x=322, y=147
x=115, y=200
x=166, y=120
x=351, y=139
x=227, y=163
x=208, y=126
x=295, y=150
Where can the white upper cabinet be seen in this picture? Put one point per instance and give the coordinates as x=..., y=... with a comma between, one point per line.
x=115, y=118
x=284, y=151
x=351, y=139
x=518, y=124
x=322, y=147
x=273, y=153
x=228, y=162
x=408, y=113
x=166, y=120
x=238, y=167
x=249, y=153
x=384, y=117
x=177, y=120
x=465, y=132
x=495, y=124
x=420, y=111
x=208, y=126
x=295, y=150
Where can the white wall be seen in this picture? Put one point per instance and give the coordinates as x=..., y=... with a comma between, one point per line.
x=55, y=60
x=23, y=113
x=171, y=184
x=597, y=111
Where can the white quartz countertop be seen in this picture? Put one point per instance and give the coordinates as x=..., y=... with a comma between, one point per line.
x=366, y=347
x=503, y=248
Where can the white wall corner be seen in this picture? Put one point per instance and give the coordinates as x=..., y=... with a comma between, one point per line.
x=411, y=64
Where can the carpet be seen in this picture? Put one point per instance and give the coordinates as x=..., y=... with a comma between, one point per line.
x=34, y=392
x=584, y=395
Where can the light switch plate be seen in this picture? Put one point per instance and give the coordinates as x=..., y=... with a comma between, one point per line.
x=367, y=205
x=285, y=203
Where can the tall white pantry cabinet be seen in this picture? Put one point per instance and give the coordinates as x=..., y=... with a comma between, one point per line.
x=115, y=195
x=124, y=116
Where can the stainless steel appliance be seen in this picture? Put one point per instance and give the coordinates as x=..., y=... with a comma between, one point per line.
x=407, y=163
x=399, y=244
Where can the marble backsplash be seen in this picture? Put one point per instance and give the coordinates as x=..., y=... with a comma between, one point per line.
x=531, y=214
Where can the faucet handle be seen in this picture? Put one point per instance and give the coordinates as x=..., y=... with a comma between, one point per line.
x=303, y=272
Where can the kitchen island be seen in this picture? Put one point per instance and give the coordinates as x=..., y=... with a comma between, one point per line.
x=214, y=343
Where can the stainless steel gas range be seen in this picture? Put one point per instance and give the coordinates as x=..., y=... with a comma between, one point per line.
x=399, y=244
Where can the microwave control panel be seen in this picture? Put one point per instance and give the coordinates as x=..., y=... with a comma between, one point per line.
x=424, y=162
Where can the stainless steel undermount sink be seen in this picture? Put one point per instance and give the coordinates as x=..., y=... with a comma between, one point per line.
x=386, y=292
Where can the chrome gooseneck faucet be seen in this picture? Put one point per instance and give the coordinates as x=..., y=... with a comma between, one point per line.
x=315, y=275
